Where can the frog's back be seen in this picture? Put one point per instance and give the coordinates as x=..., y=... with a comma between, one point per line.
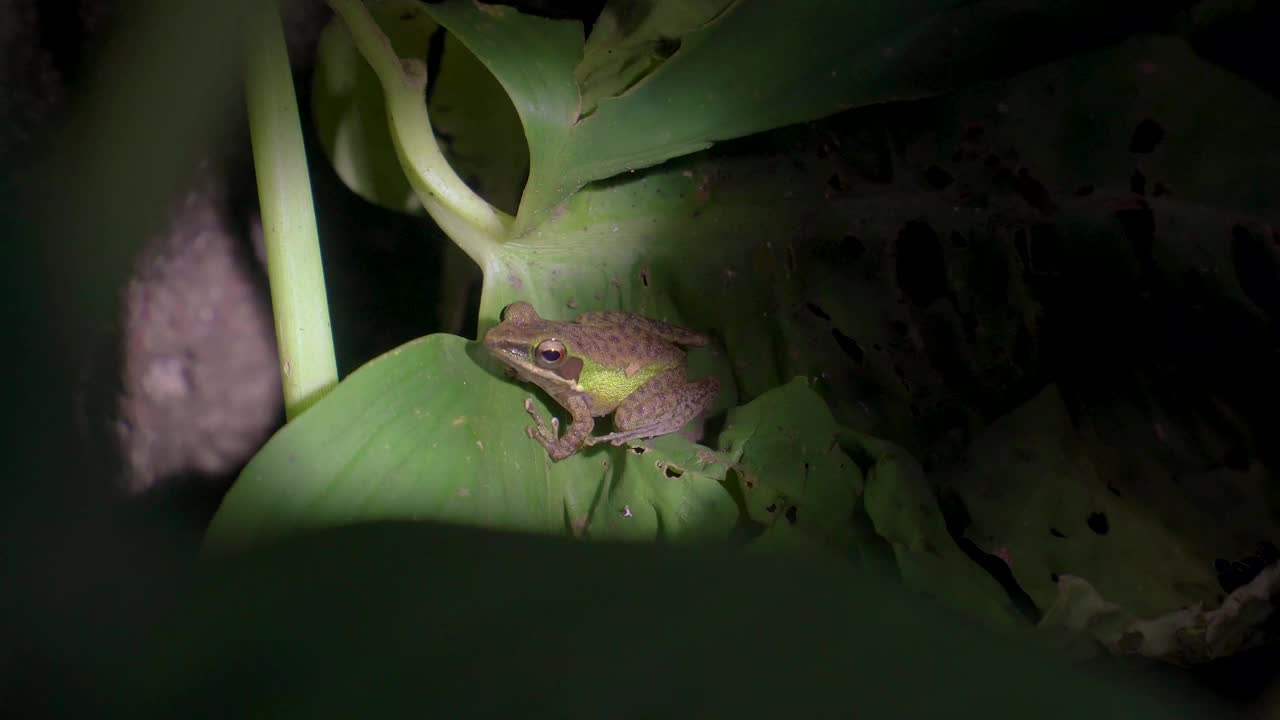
x=619, y=361
x=619, y=347
x=639, y=323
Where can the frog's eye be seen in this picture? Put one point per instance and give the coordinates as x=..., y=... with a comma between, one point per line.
x=549, y=353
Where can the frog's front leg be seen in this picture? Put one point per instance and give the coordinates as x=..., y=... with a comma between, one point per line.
x=559, y=446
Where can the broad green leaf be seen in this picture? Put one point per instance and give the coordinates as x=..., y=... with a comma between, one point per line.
x=348, y=107
x=533, y=58
x=797, y=480
x=754, y=66
x=1056, y=501
x=430, y=431
x=829, y=252
x=477, y=126
x=1101, y=119
x=801, y=252
x=631, y=39
x=667, y=489
x=790, y=466
x=432, y=616
x=904, y=511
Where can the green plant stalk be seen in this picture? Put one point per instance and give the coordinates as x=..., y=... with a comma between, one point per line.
x=475, y=225
x=294, y=269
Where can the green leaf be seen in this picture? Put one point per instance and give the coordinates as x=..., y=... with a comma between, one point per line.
x=427, y=432
x=668, y=489
x=431, y=615
x=631, y=39
x=479, y=130
x=1094, y=119
x=478, y=127
x=1056, y=501
x=791, y=468
x=533, y=58
x=904, y=511
x=751, y=66
x=798, y=481
x=349, y=110
x=764, y=244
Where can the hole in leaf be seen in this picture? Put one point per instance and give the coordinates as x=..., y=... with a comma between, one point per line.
x=936, y=177
x=1098, y=523
x=435, y=53
x=666, y=47
x=1233, y=574
x=1257, y=269
x=1146, y=136
x=672, y=471
x=1033, y=192
x=921, y=268
x=1022, y=246
x=854, y=245
x=1139, y=227
x=791, y=514
x=817, y=311
x=848, y=345
x=773, y=507
x=1043, y=248
x=1268, y=551
x=1236, y=458
x=1138, y=183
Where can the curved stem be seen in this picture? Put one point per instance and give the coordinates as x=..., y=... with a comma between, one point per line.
x=475, y=225
x=294, y=269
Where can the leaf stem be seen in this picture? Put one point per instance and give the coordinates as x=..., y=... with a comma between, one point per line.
x=294, y=269
x=475, y=225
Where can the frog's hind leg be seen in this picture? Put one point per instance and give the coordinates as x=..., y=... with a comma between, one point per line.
x=661, y=406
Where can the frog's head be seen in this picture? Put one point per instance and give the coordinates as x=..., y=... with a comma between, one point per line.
x=534, y=348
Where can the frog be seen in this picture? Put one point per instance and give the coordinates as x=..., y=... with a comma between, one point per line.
x=603, y=362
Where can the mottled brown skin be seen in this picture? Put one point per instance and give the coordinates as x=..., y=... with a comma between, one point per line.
x=613, y=362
